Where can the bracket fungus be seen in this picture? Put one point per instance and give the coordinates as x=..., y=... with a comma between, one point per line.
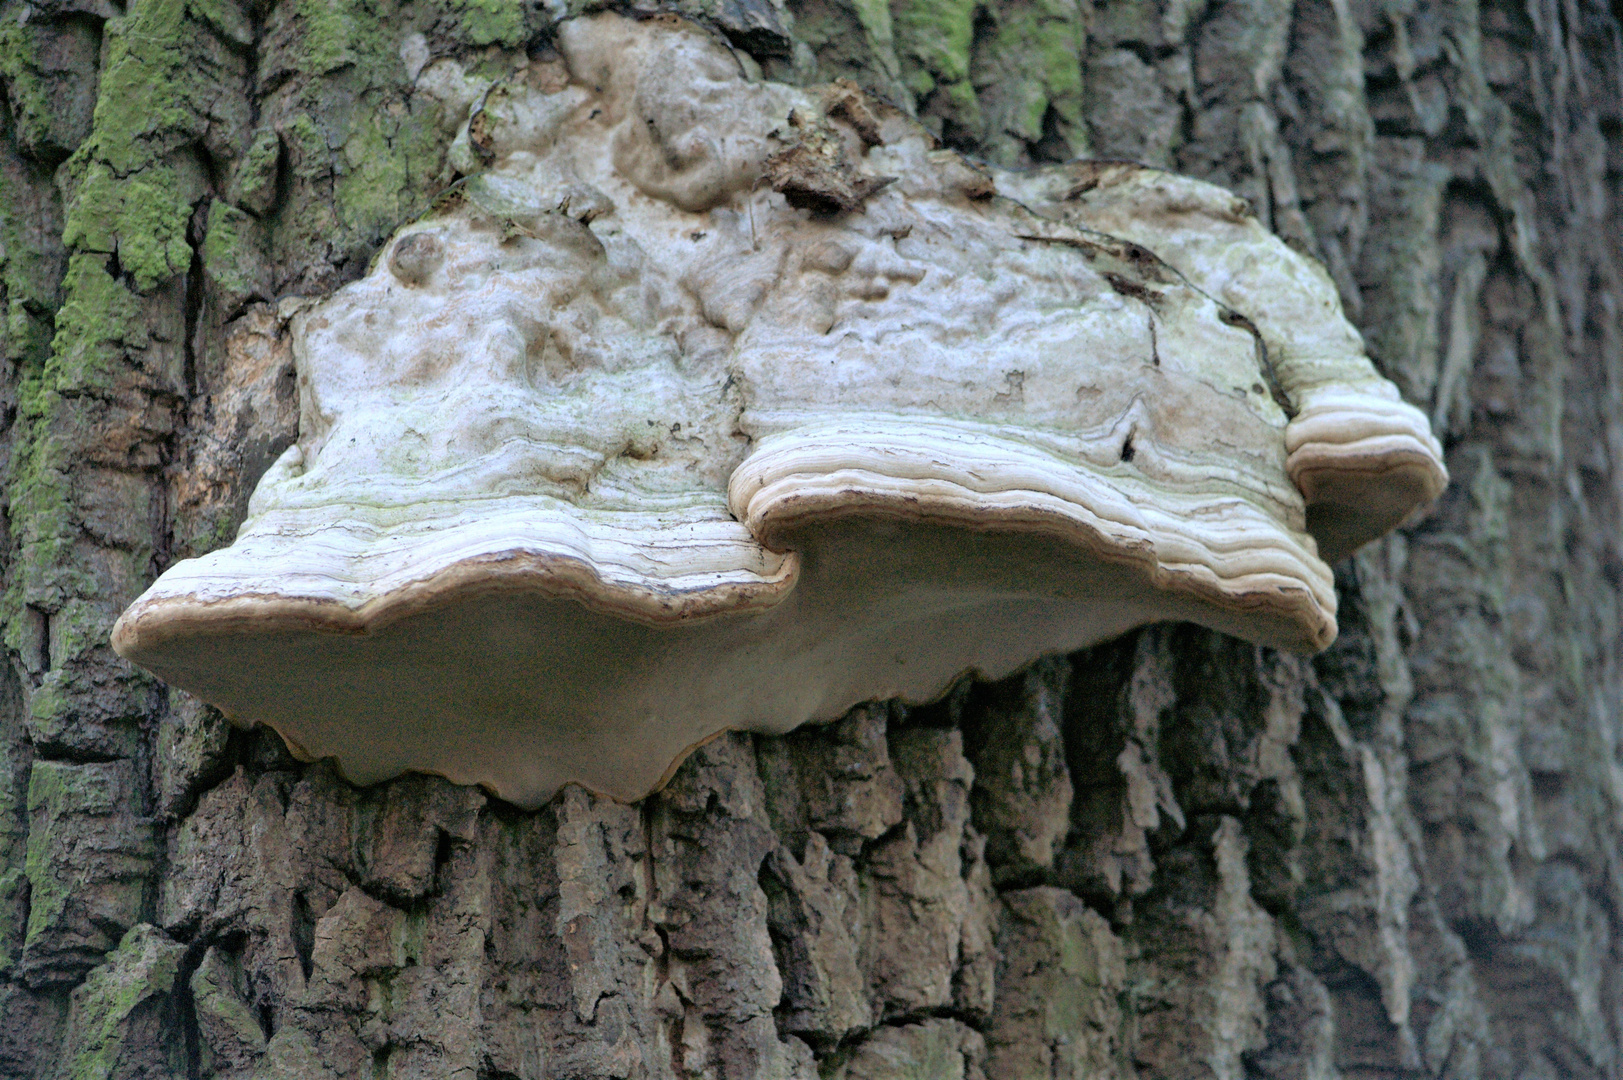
x=712, y=403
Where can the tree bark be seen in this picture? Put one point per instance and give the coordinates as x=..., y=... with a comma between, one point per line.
x=1174, y=855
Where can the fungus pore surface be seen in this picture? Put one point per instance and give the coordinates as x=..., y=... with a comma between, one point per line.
x=711, y=403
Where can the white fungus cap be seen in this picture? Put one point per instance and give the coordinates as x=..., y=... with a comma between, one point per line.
x=718, y=405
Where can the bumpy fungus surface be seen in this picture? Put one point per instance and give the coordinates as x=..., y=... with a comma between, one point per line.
x=718, y=404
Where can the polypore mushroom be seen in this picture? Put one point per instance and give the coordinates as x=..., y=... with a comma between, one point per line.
x=717, y=404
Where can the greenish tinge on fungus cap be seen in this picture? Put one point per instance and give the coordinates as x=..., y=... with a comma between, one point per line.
x=716, y=404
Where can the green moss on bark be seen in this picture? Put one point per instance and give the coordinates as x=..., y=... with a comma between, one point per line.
x=47, y=69
x=99, y=318
x=253, y=186
x=89, y=855
x=329, y=35
x=42, y=518
x=1028, y=70
x=111, y=1029
x=234, y=262
x=51, y=788
x=493, y=22
x=131, y=186
x=933, y=39
x=142, y=218
x=156, y=86
x=27, y=91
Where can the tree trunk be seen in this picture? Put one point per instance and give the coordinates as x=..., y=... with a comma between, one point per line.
x=1174, y=855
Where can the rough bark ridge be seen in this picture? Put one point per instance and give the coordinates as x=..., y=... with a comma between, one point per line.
x=1172, y=856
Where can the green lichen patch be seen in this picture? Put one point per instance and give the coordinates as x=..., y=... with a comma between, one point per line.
x=357, y=150
x=41, y=515
x=494, y=22
x=130, y=189
x=26, y=89
x=1028, y=72
x=25, y=333
x=121, y=1020
x=53, y=793
x=358, y=174
x=933, y=39
x=88, y=857
x=253, y=184
x=163, y=80
x=156, y=86
x=30, y=260
x=330, y=30
x=99, y=318
x=229, y=1032
x=381, y=167
x=1059, y=984
x=14, y=770
x=234, y=261
x=141, y=218
x=874, y=15
x=13, y=914
x=855, y=41
x=42, y=68
x=135, y=179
